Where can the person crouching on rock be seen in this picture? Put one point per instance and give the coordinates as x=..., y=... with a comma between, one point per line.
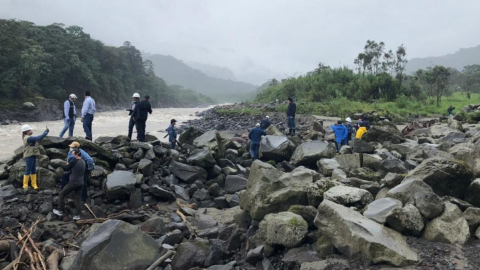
x=255, y=137
x=361, y=130
x=265, y=123
x=31, y=150
x=89, y=167
x=341, y=134
x=75, y=184
x=172, y=133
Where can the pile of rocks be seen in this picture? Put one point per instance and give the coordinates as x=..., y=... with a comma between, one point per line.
x=301, y=206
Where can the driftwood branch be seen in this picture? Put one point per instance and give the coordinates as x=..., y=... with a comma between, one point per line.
x=54, y=259
x=161, y=259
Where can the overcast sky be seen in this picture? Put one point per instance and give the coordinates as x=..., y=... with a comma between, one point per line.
x=264, y=38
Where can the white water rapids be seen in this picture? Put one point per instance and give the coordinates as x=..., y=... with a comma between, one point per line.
x=110, y=123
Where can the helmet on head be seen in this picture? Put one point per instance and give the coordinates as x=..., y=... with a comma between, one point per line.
x=348, y=119
x=267, y=116
x=136, y=95
x=257, y=125
x=26, y=128
x=73, y=96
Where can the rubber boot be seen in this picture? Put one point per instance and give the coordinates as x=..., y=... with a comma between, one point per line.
x=34, y=181
x=289, y=132
x=293, y=132
x=25, y=181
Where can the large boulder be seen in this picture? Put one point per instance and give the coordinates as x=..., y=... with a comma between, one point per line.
x=271, y=191
x=276, y=148
x=7, y=192
x=202, y=158
x=382, y=134
x=206, y=140
x=187, y=173
x=450, y=227
x=393, y=166
x=361, y=146
x=316, y=190
x=406, y=220
x=472, y=194
x=348, y=196
x=357, y=236
x=309, y=153
x=379, y=209
x=119, y=184
x=405, y=192
x=349, y=161
x=132, y=248
x=446, y=177
x=286, y=229
x=472, y=216
x=234, y=183
x=89, y=146
x=190, y=254
x=426, y=151
x=327, y=165
x=189, y=135
x=453, y=138
x=145, y=167
x=429, y=204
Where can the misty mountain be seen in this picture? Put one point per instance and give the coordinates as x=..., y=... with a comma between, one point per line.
x=458, y=60
x=214, y=71
x=175, y=71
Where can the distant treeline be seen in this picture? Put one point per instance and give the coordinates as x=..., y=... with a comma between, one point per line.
x=53, y=61
x=379, y=75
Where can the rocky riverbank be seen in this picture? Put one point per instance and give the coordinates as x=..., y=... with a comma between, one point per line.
x=388, y=201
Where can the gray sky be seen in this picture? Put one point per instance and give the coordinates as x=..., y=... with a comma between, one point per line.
x=260, y=39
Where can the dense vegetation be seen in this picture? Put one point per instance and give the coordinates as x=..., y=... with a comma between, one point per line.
x=379, y=81
x=53, y=61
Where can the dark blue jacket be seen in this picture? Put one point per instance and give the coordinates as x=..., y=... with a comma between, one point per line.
x=340, y=132
x=172, y=133
x=265, y=123
x=292, y=109
x=255, y=135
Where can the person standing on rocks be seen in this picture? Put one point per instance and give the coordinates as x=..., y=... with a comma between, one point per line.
x=450, y=110
x=131, y=123
x=172, y=133
x=31, y=150
x=90, y=166
x=341, y=133
x=255, y=137
x=361, y=130
x=291, y=110
x=70, y=115
x=265, y=123
x=142, y=109
x=75, y=184
x=88, y=110
x=350, y=129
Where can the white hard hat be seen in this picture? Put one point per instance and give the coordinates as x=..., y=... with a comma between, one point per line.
x=137, y=95
x=26, y=128
x=257, y=125
x=267, y=116
x=348, y=119
x=73, y=96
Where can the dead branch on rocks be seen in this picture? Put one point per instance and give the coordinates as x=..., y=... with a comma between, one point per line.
x=125, y=214
x=161, y=259
x=187, y=224
x=54, y=259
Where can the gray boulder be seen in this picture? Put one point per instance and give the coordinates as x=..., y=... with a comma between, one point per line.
x=446, y=177
x=370, y=186
x=391, y=180
x=379, y=209
x=450, y=227
x=472, y=216
x=393, y=166
x=310, y=152
x=373, y=162
x=7, y=192
x=326, y=166
x=119, y=184
x=349, y=161
x=133, y=249
x=234, y=183
x=187, y=173
x=348, y=196
x=357, y=236
x=472, y=194
x=190, y=254
x=316, y=190
x=202, y=158
x=454, y=138
x=276, y=148
x=429, y=204
x=405, y=192
x=145, y=167
x=426, y=151
x=406, y=220
x=365, y=174
x=3, y=171
x=285, y=228
x=361, y=146
x=162, y=194
x=383, y=134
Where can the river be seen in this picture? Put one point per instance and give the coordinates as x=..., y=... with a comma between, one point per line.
x=111, y=123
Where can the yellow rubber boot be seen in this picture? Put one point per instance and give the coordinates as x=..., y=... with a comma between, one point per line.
x=25, y=181
x=34, y=181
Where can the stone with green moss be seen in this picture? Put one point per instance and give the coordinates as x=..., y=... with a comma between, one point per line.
x=285, y=228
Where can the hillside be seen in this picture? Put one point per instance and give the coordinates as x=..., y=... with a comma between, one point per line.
x=214, y=71
x=457, y=60
x=175, y=71
x=50, y=62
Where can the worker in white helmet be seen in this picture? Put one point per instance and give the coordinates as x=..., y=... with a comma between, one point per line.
x=70, y=115
x=350, y=129
x=31, y=150
x=131, y=110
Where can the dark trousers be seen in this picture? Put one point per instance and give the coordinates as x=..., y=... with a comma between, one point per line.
x=31, y=165
x=69, y=188
x=141, y=124
x=173, y=144
x=87, y=125
x=291, y=123
x=254, y=147
x=131, y=124
x=86, y=176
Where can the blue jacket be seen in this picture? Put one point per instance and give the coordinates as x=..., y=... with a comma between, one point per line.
x=90, y=164
x=255, y=135
x=292, y=109
x=265, y=123
x=172, y=133
x=33, y=139
x=341, y=132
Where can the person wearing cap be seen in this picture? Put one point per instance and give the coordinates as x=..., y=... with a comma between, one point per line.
x=75, y=184
x=31, y=150
x=291, y=110
x=131, y=112
x=88, y=110
x=172, y=133
x=255, y=137
x=340, y=134
x=265, y=123
x=142, y=109
x=350, y=129
x=89, y=166
x=70, y=115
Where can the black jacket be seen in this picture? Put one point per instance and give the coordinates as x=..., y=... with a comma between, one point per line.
x=265, y=124
x=142, y=110
x=292, y=109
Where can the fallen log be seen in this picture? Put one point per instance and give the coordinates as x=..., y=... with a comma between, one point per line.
x=54, y=259
x=161, y=259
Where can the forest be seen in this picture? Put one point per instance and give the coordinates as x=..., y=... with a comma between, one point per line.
x=55, y=60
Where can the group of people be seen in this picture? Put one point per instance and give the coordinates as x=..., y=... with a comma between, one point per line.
x=139, y=111
x=79, y=168
x=70, y=115
x=345, y=129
